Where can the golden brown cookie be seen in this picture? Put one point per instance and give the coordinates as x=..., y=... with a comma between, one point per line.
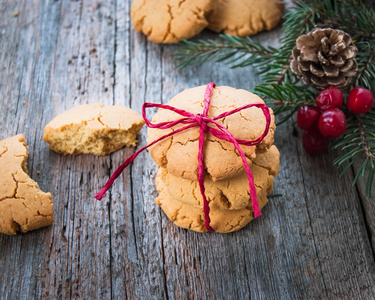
x=93, y=128
x=192, y=217
x=227, y=194
x=169, y=21
x=178, y=153
x=246, y=17
x=23, y=206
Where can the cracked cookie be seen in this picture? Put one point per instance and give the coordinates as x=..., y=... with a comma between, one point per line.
x=192, y=217
x=169, y=21
x=93, y=128
x=248, y=17
x=23, y=206
x=178, y=153
x=227, y=194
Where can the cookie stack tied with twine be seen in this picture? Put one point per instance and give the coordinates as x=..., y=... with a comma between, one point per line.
x=226, y=181
x=219, y=139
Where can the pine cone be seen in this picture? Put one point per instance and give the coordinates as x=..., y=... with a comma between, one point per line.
x=325, y=57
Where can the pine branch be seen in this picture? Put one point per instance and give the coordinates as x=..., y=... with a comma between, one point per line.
x=285, y=99
x=358, y=142
x=232, y=50
x=352, y=16
x=366, y=65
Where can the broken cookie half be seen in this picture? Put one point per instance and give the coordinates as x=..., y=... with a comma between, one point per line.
x=93, y=128
x=23, y=206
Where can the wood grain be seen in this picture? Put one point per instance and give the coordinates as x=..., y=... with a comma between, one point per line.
x=314, y=242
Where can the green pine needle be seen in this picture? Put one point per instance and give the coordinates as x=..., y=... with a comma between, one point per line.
x=228, y=50
x=358, y=142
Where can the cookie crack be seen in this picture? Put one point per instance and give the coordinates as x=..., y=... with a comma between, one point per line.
x=195, y=197
x=186, y=142
x=242, y=116
x=180, y=3
x=18, y=225
x=263, y=167
x=199, y=13
x=140, y=7
x=14, y=194
x=41, y=214
x=252, y=29
x=222, y=147
x=169, y=10
x=248, y=156
x=5, y=151
x=165, y=152
x=262, y=19
x=16, y=189
x=238, y=224
x=225, y=201
x=223, y=107
x=101, y=122
x=85, y=122
x=191, y=223
x=176, y=214
x=141, y=21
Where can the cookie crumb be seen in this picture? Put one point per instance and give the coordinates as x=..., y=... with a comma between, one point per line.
x=24, y=102
x=37, y=172
x=16, y=13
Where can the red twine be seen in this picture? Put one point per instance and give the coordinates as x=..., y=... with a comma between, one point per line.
x=220, y=132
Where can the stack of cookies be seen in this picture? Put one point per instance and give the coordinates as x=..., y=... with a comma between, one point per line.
x=226, y=184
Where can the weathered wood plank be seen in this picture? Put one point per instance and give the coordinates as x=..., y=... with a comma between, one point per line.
x=311, y=243
x=138, y=267
x=25, y=46
x=368, y=205
x=78, y=260
x=340, y=234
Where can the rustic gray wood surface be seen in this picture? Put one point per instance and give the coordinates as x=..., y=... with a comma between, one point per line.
x=315, y=242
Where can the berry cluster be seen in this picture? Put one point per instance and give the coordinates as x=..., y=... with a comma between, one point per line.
x=326, y=119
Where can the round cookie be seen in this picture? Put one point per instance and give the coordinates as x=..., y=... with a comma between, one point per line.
x=227, y=194
x=169, y=21
x=246, y=17
x=192, y=217
x=178, y=153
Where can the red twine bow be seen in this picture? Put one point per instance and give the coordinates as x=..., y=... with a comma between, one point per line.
x=201, y=120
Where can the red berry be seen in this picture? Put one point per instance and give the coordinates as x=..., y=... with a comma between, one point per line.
x=329, y=98
x=360, y=100
x=314, y=142
x=307, y=116
x=332, y=123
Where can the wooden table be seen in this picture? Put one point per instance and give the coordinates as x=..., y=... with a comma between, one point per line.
x=315, y=242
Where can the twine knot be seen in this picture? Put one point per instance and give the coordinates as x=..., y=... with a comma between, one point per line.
x=200, y=120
